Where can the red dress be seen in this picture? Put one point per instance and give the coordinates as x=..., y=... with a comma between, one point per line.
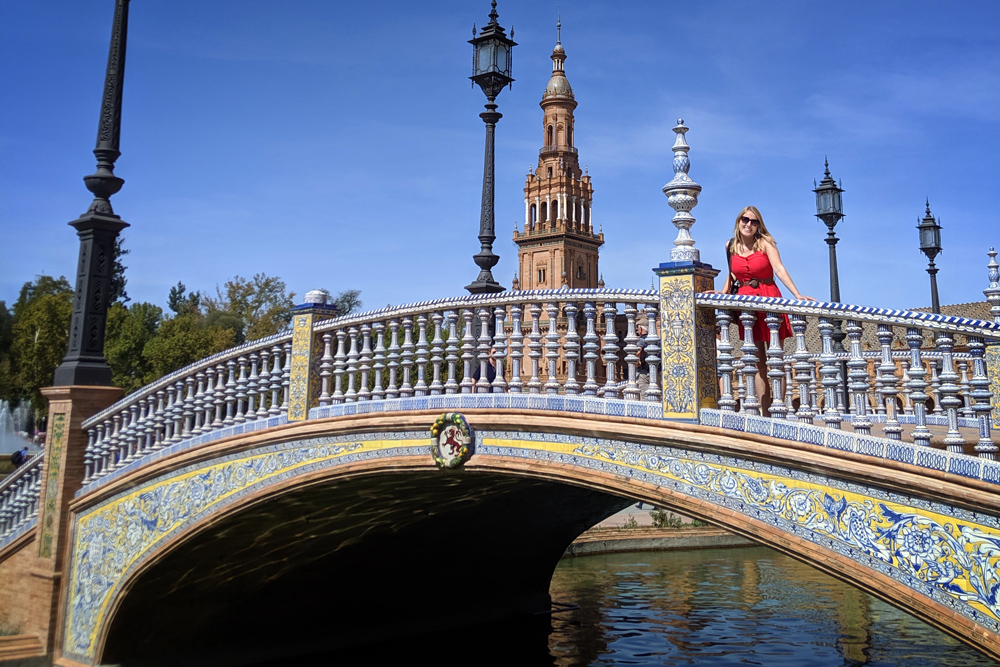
x=757, y=265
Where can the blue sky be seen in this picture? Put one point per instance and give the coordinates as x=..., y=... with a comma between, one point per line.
x=338, y=145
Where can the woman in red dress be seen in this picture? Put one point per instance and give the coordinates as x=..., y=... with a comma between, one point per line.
x=753, y=263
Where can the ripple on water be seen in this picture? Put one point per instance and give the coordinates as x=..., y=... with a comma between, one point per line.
x=733, y=606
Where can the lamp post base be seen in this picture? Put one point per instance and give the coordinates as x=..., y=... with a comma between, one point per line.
x=485, y=287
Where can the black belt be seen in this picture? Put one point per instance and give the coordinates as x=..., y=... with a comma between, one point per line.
x=754, y=282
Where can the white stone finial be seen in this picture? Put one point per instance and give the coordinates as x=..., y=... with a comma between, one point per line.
x=993, y=291
x=319, y=296
x=682, y=195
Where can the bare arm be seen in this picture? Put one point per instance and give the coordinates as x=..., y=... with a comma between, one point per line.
x=728, y=284
x=779, y=270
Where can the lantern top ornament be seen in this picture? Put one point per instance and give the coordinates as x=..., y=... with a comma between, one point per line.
x=491, y=56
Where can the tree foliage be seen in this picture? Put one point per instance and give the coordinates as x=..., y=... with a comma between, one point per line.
x=181, y=304
x=129, y=330
x=348, y=301
x=6, y=339
x=183, y=340
x=117, y=293
x=143, y=342
x=262, y=303
x=39, y=335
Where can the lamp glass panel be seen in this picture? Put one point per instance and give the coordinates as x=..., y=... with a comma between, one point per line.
x=503, y=58
x=824, y=201
x=927, y=237
x=484, y=63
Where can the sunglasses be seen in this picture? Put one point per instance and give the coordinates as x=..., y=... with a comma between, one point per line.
x=748, y=221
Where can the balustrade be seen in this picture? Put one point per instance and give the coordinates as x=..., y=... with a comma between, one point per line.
x=583, y=342
x=925, y=382
x=19, y=494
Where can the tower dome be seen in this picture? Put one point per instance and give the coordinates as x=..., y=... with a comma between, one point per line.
x=558, y=86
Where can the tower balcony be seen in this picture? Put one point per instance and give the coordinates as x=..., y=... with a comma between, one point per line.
x=549, y=150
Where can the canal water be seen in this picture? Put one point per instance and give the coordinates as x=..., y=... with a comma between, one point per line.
x=744, y=606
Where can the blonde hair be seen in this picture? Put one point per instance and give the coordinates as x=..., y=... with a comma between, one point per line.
x=762, y=233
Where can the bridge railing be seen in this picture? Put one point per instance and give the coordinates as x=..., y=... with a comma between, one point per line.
x=929, y=382
x=244, y=384
x=466, y=345
x=19, y=493
x=505, y=343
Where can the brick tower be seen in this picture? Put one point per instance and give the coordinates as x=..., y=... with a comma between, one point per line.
x=558, y=245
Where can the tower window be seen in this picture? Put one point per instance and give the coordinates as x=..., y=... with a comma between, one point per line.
x=550, y=172
x=579, y=272
x=549, y=136
x=541, y=276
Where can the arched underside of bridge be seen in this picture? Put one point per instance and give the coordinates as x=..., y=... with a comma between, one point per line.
x=358, y=559
x=344, y=530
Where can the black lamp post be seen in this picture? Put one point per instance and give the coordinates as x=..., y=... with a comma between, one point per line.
x=491, y=58
x=84, y=363
x=930, y=244
x=830, y=209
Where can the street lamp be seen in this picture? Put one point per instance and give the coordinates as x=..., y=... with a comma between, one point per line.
x=930, y=245
x=830, y=209
x=84, y=363
x=491, y=58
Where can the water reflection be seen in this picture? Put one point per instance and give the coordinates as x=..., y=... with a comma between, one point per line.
x=750, y=606
x=733, y=606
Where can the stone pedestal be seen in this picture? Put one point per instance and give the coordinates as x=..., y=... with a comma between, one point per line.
x=62, y=475
x=687, y=340
x=307, y=347
x=992, y=360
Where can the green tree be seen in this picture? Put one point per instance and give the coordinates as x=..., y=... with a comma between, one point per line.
x=262, y=303
x=348, y=301
x=40, y=333
x=183, y=340
x=118, y=279
x=6, y=340
x=181, y=304
x=129, y=330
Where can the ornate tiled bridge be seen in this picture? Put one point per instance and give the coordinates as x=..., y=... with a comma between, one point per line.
x=285, y=481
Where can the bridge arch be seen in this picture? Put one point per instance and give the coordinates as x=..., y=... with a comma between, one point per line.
x=836, y=511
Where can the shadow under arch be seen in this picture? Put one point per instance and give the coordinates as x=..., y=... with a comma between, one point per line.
x=352, y=559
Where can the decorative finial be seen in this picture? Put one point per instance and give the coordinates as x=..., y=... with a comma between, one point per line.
x=682, y=195
x=473, y=31
x=493, y=12
x=826, y=167
x=559, y=28
x=993, y=291
x=928, y=204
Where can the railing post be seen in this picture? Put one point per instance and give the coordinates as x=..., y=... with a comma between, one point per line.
x=687, y=340
x=303, y=393
x=991, y=357
x=725, y=358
